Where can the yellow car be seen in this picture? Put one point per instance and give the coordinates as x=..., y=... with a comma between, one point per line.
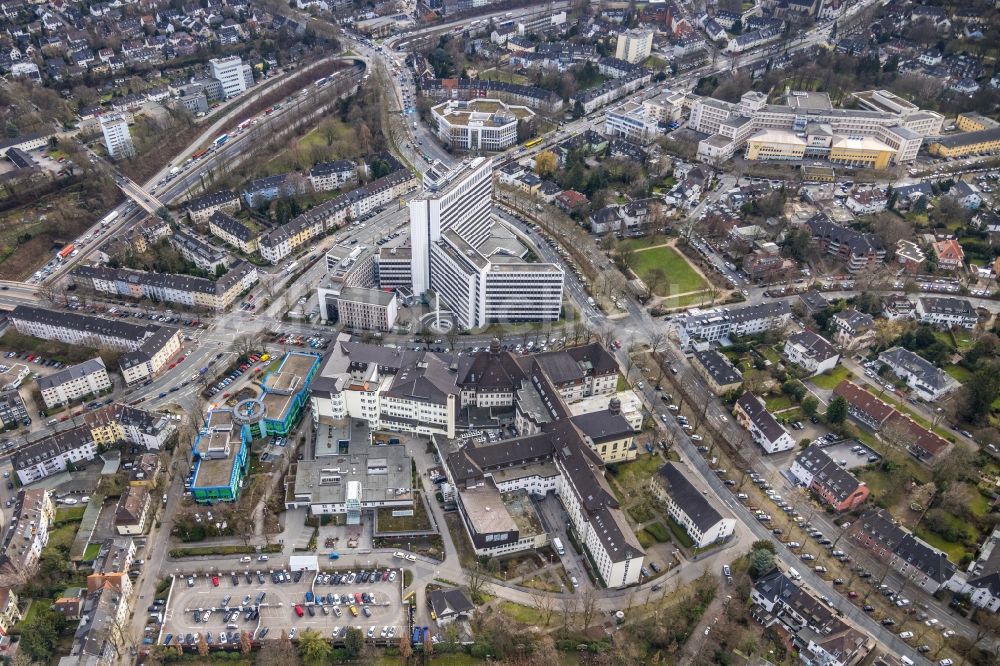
x=354, y=611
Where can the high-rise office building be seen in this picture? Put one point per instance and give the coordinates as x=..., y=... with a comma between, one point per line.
x=234, y=76
x=481, y=283
x=459, y=199
x=117, y=138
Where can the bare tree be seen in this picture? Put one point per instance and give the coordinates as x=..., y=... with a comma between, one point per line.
x=246, y=343
x=588, y=607
x=569, y=609
x=478, y=583
x=543, y=603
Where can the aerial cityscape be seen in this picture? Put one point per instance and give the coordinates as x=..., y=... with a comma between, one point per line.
x=500, y=331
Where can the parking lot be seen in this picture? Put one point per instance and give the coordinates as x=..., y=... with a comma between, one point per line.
x=330, y=611
x=852, y=454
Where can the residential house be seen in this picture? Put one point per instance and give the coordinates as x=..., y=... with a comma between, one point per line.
x=811, y=352
x=924, y=378
x=133, y=510
x=853, y=330
x=765, y=430
x=449, y=605
x=949, y=254
x=946, y=312
x=836, y=486
x=720, y=375
x=925, y=566
x=910, y=256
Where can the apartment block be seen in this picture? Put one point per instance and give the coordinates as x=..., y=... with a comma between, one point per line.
x=75, y=382
x=714, y=325
x=200, y=210
x=147, y=347
x=187, y=290
x=26, y=536
x=233, y=232
x=700, y=517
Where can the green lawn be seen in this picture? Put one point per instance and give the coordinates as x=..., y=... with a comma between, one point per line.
x=655, y=64
x=955, y=551
x=91, y=552
x=959, y=373
x=70, y=514
x=641, y=469
x=680, y=277
x=519, y=613
x=658, y=532
x=687, y=300
x=778, y=402
x=829, y=379
x=622, y=384
x=679, y=534
x=506, y=77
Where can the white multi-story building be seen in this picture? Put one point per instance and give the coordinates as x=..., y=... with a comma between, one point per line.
x=234, y=76
x=631, y=121
x=479, y=124
x=358, y=308
x=811, y=352
x=946, y=312
x=703, y=328
x=74, y=382
x=887, y=130
x=388, y=389
x=51, y=455
x=117, y=138
x=692, y=510
x=460, y=200
x=147, y=348
x=448, y=227
x=634, y=45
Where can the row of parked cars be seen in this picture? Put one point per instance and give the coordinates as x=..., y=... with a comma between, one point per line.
x=35, y=358
x=300, y=341
x=237, y=372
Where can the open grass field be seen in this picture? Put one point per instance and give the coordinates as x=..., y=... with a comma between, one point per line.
x=500, y=75
x=681, y=277
x=829, y=379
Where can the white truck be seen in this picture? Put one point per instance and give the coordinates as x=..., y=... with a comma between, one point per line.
x=557, y=544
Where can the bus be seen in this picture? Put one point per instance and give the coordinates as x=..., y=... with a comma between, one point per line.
x=534, y=142
x=322, y=82
x=219, y=141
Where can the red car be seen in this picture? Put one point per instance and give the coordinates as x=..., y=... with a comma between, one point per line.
x=298, y=610
x=215, y=581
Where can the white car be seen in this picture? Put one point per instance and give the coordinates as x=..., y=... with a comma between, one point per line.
x=906, y=635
